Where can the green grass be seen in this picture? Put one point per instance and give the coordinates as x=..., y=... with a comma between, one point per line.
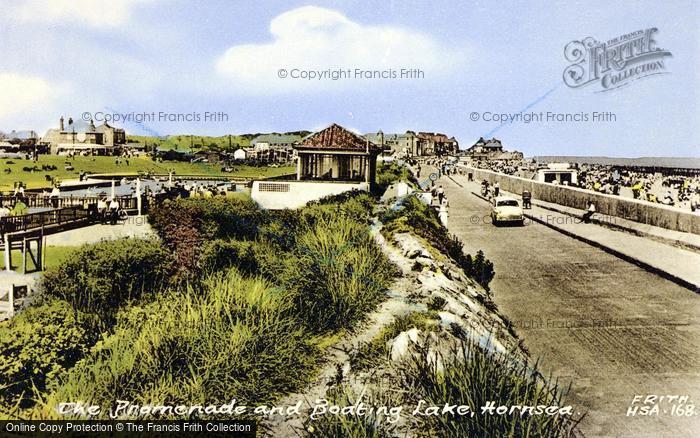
x=182, y=143
x=37, y=179
x=193, y=143
x=228, y=337
x=474, y=376
x=54, y=255
x=469, y=374
x=372, y=353
x=227, y=333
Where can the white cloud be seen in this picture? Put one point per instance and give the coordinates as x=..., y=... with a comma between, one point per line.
x=21, y=94
x=30, y=102
x=74, y=12
x=314, y=38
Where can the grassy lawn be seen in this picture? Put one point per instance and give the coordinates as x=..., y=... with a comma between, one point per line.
x=54, y=256
x=37, y=179
x=182, y=143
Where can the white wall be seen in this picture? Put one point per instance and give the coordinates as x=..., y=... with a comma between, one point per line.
x=275, y=195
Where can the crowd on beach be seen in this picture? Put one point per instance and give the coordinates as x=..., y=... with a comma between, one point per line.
x=677, y=190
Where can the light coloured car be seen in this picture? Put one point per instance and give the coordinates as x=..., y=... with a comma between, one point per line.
x=506, y=210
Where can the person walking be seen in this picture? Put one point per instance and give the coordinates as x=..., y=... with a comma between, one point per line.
x=496, y=189
x=443, y=213
x=441, y=194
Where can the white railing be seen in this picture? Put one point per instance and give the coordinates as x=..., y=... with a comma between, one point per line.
x=7, y=303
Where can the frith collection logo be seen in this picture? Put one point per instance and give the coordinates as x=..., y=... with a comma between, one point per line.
x=615, y=63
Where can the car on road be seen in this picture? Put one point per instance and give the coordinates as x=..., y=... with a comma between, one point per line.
x=506, y=210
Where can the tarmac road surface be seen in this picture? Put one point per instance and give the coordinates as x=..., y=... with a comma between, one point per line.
x=612, y=329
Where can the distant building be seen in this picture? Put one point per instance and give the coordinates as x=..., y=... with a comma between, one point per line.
x=491, y=150
x=6, y=146
x=276, y=140
x=438, y=144
x=557, y=173
x=84, y=138
x=135, y=147
x=275, y=147
x=411, y=144
x=20, y=135
x=24, y=141
x=239, y=155
x=209, y=156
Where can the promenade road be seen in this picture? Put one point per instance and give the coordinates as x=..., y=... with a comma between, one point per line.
x=607, y=326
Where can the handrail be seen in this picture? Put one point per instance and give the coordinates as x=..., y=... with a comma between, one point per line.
x=40, y=200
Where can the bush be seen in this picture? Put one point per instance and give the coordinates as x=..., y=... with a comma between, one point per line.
x=233, y=338
x=473, y=376
x=477, y=376
x=98, y=279
x=336, y=274
x=220, y=254
x=355, y=204
x=186, y=224
x=36, y=347
x=388, y=174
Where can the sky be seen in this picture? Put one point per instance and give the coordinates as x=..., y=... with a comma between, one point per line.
x=248, y=63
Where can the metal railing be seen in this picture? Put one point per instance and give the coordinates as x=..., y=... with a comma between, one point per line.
x=38, y=200
x=59, y=216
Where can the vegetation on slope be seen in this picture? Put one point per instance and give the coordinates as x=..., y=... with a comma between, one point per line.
x=170, y=321
x=238, y=302
x=411, y=215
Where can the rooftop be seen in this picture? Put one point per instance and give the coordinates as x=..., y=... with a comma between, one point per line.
x=276, y=138
x=335, y=137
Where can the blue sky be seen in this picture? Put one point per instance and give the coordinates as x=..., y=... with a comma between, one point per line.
x=73, y=56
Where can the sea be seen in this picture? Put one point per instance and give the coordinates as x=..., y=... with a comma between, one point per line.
x=675, y=162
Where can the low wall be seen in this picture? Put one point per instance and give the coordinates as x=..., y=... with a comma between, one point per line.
x=639, y=211
x=277, y=195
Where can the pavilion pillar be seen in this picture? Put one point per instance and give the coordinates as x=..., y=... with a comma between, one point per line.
x=366, y=168
x=335, y=167
x=299, y=158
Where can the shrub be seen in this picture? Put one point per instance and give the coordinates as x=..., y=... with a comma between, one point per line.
x=36, y=347
x=231, y=339
x=99, y=278
x=355, y=204
x=473, y=376
x=220, y=254
x=336, y=274
x=388, y=174
x=477, y=376
x=186, y=224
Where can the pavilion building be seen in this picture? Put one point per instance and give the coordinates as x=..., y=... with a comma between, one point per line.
x=329, y=162
x=336, y=154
